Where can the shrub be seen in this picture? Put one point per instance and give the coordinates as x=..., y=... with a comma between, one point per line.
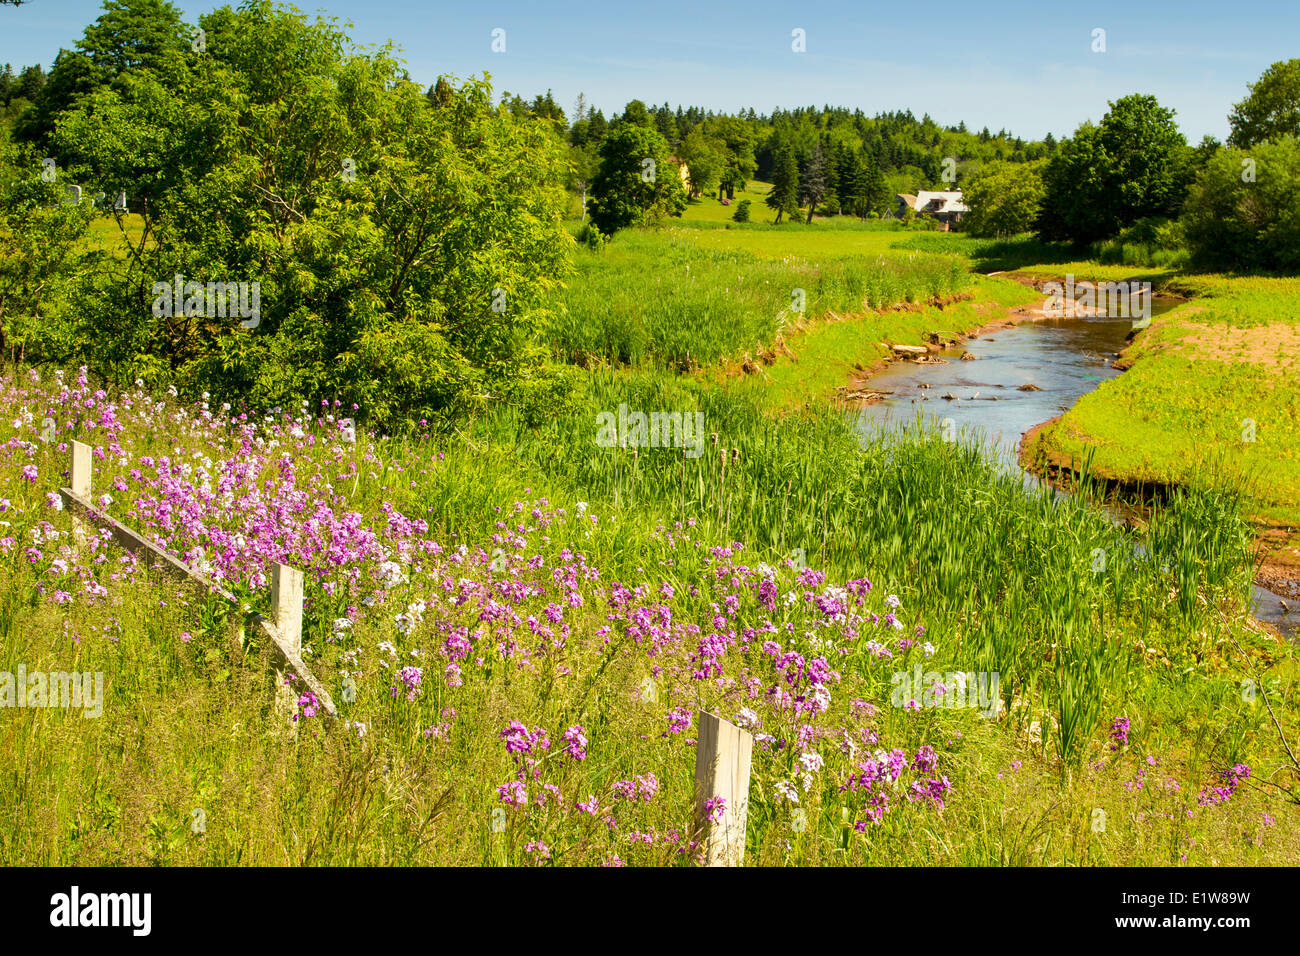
x=373, y=219
x=591, y=237
x=1244, y=209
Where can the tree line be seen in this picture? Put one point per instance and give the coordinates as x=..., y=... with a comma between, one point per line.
x=408, y=240
x=1133, y=175
x=827, y=160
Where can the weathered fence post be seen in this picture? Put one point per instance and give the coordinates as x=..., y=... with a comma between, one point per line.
x=722, y=758
x=83, y=469
x=286, y=605
x=286, y=582
x=80, y=481
x=286, y=602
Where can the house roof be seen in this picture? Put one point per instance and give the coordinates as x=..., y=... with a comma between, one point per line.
x=935, y=201
x=908, y=198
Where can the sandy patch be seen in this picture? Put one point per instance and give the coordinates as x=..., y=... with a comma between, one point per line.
x=1269, y=346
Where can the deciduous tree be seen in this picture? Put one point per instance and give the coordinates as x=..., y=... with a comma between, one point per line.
x=1271, y=110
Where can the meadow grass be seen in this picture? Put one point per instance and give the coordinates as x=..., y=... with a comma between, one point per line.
x=1103, y=260
x=818, y=358
x=822, y=240
x=521, y=626
x=661, y=297
x=560, y=577
x=104, y=234
x=708, y=208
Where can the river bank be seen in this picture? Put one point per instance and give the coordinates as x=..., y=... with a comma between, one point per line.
x=1019, y=375
x=1211, y=388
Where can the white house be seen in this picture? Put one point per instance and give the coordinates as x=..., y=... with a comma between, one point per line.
x=946, y=207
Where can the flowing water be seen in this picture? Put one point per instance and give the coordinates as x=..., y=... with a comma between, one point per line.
x=1062, y=358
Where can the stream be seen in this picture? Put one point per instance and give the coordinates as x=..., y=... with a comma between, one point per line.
x=1063, y=358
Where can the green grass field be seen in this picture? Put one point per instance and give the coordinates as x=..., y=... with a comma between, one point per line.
x=559, y=575
x=673, y=297
x=709, y=209
x=105, y=235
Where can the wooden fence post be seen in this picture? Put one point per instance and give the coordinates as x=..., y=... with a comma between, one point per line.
x=722, y=758
x=286, y=582
x=80, y=480
x=286, y=602
x=286, y=605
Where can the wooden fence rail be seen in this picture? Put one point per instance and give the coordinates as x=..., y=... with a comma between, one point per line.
x=286, y=582
x=723, y=752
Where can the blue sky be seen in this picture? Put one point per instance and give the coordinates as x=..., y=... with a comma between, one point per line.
x=1027, y=67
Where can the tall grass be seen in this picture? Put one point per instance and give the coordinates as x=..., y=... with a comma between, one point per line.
x=1002, y=577
x=1046, y=589
x=1014, y=252
x=657, y=298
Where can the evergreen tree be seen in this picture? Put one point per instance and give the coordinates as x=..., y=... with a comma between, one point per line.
x=874, y=191
x=813, y=187
x=666, y=124
x=784, y=197
x=852, y=182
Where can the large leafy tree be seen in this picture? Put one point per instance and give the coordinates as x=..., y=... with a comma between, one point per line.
x=636, y=114
x=705, y=160
x=1271, y=110
x=1132, y=165
x=1003, y=198
x=636, y=182
x=736, y=137
x=129, y=36
x=406, y=250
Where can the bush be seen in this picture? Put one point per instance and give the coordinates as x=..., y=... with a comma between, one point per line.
x=591, y=237
x=1244, y=209
x=742, y=212
x=41, y=253
x=378, y=225
x=1154, y=242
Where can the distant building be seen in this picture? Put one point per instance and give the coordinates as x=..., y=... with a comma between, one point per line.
x=946, y=207
x=684, y=171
